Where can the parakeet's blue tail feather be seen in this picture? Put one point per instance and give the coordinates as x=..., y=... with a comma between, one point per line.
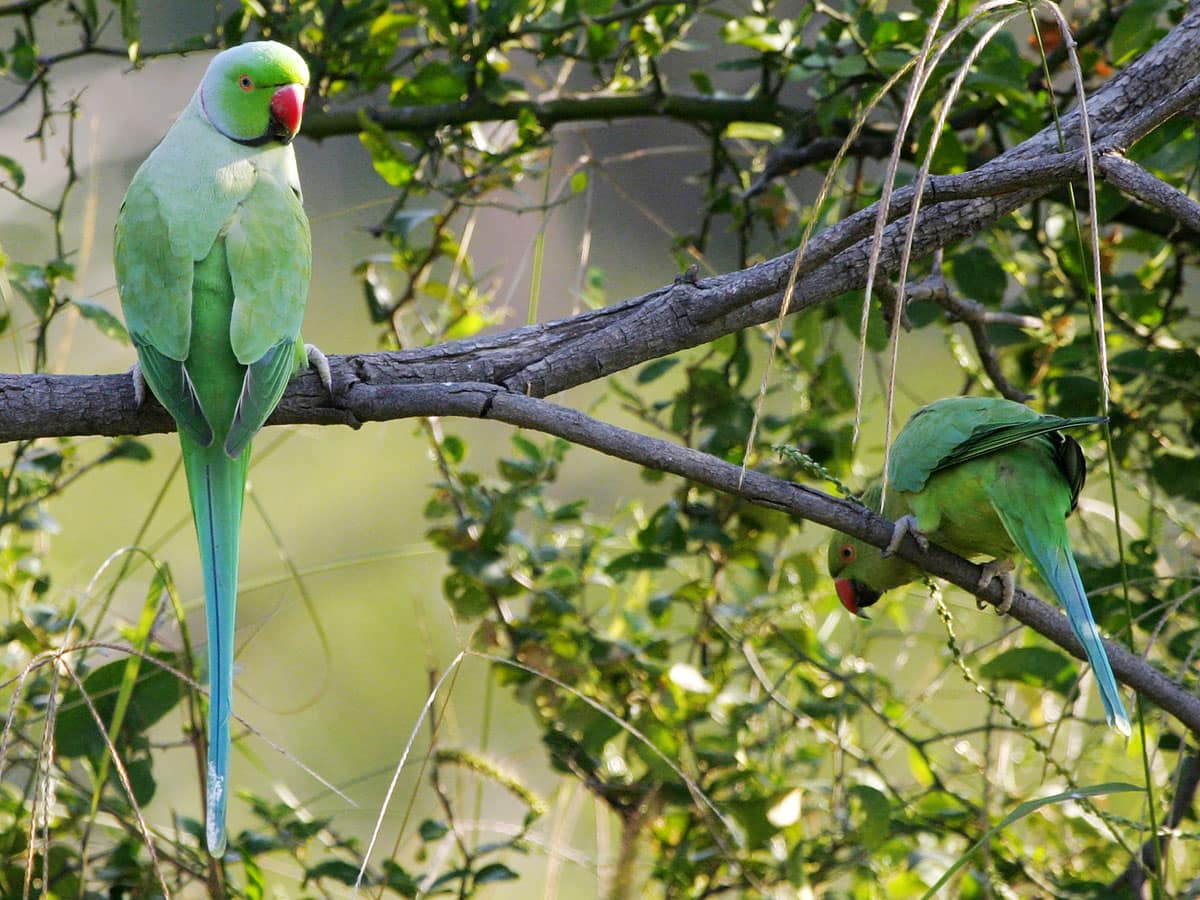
x=1063, y=576
x=216, y=484
x=1056, y=565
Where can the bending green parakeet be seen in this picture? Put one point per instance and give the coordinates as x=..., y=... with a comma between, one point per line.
x=213, y=257
x=983, y=476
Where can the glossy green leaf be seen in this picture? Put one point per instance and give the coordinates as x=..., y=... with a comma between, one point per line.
x=1037, y=666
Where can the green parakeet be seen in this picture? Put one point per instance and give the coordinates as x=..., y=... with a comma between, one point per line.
x=213, y=257
x=983, y=476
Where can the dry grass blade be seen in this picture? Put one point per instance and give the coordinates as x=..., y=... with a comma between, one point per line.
x=944, y=108
x=790, y=290
x=885, y=201
x=412, y=737
x=1085, y=136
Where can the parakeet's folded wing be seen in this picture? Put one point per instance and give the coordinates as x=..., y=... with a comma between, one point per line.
x=266, y=380
x=155, y=281
x=959, y=429
x=169, y=380
x=269, y=249
x=992, y=437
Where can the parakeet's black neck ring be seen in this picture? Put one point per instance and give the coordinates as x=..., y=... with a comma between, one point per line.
x=276, y=132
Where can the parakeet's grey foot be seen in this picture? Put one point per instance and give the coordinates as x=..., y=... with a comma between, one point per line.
x=320, y=362
x=139, y=384
x=1002, y=569
x=905, y=525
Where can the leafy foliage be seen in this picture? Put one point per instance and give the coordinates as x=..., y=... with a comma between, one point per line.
x=680, y=655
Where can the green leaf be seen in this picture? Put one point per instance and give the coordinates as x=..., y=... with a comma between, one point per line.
x=876, y=824
x=129, y=448
x=656, y=369
x=333, y=869
x=15, y=172
x=155, y=693
x=455, y=448
x=631, y=562
x=106, y=323
x=256, y=886
x=396, y=877
x=979, y=276
x=141, y=779
x=494, y=872
x=1177, y=474
x=438, y=82
x=1135, y=31
x=466, y=596
x=1037, y=666
x=579, y=181
x=849, y=66
x=131, y=27
x=431, y=830
x=23, y=63
x=1025, y=809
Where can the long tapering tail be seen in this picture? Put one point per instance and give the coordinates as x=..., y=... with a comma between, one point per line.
x=217, y=484
x=1057, y=568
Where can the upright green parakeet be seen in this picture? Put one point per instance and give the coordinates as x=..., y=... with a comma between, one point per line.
x=983, y=476
x=213, y=258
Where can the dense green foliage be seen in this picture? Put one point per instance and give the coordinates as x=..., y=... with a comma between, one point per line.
x=684, y=659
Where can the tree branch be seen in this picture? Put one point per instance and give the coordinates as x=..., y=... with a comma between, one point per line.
x=561, y=108
x=1132, y=179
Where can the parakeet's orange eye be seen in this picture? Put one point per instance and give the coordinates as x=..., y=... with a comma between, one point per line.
x=847, y=553
x=246, y=83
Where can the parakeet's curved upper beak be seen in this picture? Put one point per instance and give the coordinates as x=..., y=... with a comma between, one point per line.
x=287, y=109
x=855, y=596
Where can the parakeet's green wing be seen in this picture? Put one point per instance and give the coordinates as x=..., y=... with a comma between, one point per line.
x=991, y=438
x=169, y=380
x=266, y=380
x=155, y=277
x=270, y=260
x=959, y=429
x=156, y=295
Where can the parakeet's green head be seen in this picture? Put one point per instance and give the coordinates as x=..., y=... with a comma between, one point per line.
x=849, y=559
x=254, y=94
x=861, y=573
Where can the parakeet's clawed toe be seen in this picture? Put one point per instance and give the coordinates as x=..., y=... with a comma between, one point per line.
x=320, y=362
x=905, y=525
x=139, y=384
x=1002, y=569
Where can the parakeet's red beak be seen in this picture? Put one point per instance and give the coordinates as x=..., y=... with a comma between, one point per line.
x=287, y=109
x=855, y=596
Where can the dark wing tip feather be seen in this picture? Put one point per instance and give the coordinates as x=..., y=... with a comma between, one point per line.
x=170, y=382
x=263, y=386
x=1068, y=456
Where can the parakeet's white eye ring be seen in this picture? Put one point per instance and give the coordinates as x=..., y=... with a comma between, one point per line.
x=847, y=553
x=246, y=83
